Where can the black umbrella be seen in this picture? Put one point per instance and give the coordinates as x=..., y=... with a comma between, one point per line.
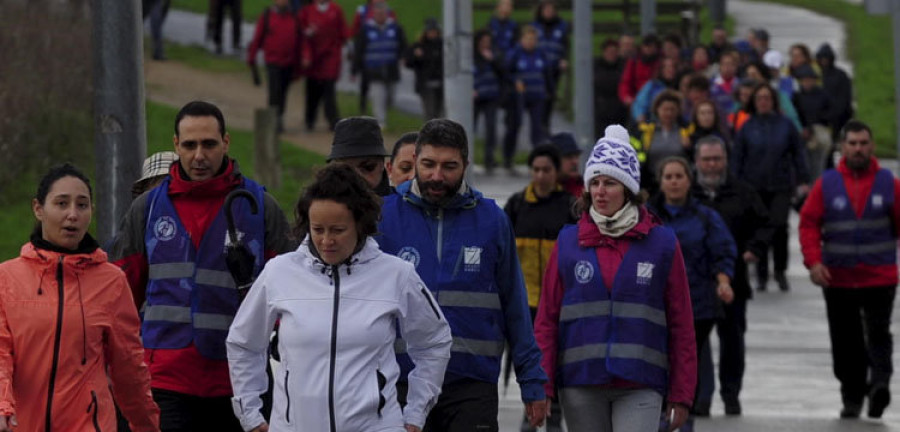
x=238, y=258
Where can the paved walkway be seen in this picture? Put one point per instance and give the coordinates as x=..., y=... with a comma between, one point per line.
x=789, y=385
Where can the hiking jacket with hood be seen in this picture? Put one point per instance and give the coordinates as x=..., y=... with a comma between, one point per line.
x=69, y=342
x=336, y=339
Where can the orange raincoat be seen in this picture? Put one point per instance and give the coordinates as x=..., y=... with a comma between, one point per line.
x=69, y=341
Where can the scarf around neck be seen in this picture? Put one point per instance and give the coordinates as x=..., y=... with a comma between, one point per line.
x=614, y=226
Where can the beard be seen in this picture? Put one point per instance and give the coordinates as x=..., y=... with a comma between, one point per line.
x=448, y=190
x=710, y=181
x=857, y=162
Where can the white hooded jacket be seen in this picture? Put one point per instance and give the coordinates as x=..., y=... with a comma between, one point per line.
x=336, y=339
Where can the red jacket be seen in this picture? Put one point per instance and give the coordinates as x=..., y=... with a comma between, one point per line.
x=325, y=34
x=610, y=252
x=99, y=353
x=574, y=186
x=859, y=186
x=281, y=44
x=197, y=203
x=635, y=75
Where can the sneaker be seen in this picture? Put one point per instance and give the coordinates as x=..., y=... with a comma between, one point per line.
x=733, y=408
x=851, y=411
x=879, y=399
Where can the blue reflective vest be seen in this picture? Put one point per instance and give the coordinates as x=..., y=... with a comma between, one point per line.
x=848, y=240
x=191, y=295
x=552, y=41
x=530, y=68
x=503, y=33
x=381, y=46
x=487, y=84
x=620, y=333
x=455, y=253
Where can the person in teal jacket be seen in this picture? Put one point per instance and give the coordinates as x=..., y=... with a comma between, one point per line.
x=463, y=248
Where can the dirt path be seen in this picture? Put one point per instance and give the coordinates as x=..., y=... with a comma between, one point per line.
x=175, y=84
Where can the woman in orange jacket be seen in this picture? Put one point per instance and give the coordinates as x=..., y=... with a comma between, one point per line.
x=68, y=327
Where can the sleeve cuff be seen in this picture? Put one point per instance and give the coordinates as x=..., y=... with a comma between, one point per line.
x=415, y=419
x=533, y=391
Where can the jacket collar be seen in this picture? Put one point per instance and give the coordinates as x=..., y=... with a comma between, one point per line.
x=466, y=197
x=180, y=185
x=363, y=256
x=78, y=260
x=869, y=172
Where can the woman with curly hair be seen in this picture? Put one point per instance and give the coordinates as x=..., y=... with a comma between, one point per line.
x=341, y=302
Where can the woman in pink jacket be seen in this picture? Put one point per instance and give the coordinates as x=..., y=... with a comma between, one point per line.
x=614, y=323
x=68, y=326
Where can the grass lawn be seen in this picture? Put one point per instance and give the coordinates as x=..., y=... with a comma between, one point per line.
x=869, y=44
x=16, y=219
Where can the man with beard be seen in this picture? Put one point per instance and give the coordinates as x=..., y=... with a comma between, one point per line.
x=746, y=217
x=464, y=249
x=848, y=235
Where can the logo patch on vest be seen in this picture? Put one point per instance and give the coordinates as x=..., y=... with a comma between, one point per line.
x=877, y=201
x=472, y=259
x=165, y=228
x=410, y=255
x=584, y=272
x=644, y=273
x=839, y=203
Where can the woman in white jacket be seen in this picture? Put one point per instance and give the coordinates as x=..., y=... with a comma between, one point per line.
x=340, y=301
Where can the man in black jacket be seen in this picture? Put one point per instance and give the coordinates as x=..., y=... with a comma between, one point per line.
x=836, y=84
x=746, y=216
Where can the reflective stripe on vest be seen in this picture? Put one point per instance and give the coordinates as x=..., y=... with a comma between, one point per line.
x=849, y=239
x=552, y=44
x=625, y=351
x=381, y=47
x=618, y=333
x=458, y=268
x=191, y=295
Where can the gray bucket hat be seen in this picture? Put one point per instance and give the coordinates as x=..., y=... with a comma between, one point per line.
x=357, y=137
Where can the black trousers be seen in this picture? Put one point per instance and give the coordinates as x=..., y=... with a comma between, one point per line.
x=730, y=329
x=489, y=110
x=324, y=91
x=702, y=329
x=217, y=20
x=779, y=205
x=859, y=322
x=279, y=80
x=185, y=413
x=464, y=406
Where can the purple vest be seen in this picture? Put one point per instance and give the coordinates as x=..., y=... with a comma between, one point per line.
x=620, y=333
x=848, y=240
x=191, y=296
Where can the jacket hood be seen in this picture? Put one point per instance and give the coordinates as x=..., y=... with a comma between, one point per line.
x=310, y=257
x=468, y=199
x=825, y=51
x=590, y=236
x=31, y=252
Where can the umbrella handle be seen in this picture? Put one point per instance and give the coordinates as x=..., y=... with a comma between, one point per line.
x=229, y=215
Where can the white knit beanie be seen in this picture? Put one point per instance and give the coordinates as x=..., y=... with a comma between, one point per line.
x=614, y=156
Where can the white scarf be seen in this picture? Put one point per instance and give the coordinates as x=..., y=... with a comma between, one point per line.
x=614, y=226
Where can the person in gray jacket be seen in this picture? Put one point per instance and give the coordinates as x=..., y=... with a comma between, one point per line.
x=341, y=302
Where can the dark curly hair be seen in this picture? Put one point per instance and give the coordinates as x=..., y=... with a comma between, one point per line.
x=341, y=183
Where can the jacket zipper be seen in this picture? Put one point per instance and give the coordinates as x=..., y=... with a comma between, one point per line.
x=96, y=408
x=440, y=234
x=287, y=393
x=334, y=322
x=56, y=342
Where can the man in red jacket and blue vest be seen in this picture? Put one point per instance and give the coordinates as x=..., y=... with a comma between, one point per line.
x=848, y=235
x=171, y=246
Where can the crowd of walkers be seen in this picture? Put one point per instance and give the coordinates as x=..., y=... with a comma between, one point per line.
x=392, y=300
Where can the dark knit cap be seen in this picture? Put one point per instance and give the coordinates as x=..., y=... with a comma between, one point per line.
x=357, y=137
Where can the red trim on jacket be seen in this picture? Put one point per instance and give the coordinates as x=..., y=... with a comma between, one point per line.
x=610, y=251
x=859, y=187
